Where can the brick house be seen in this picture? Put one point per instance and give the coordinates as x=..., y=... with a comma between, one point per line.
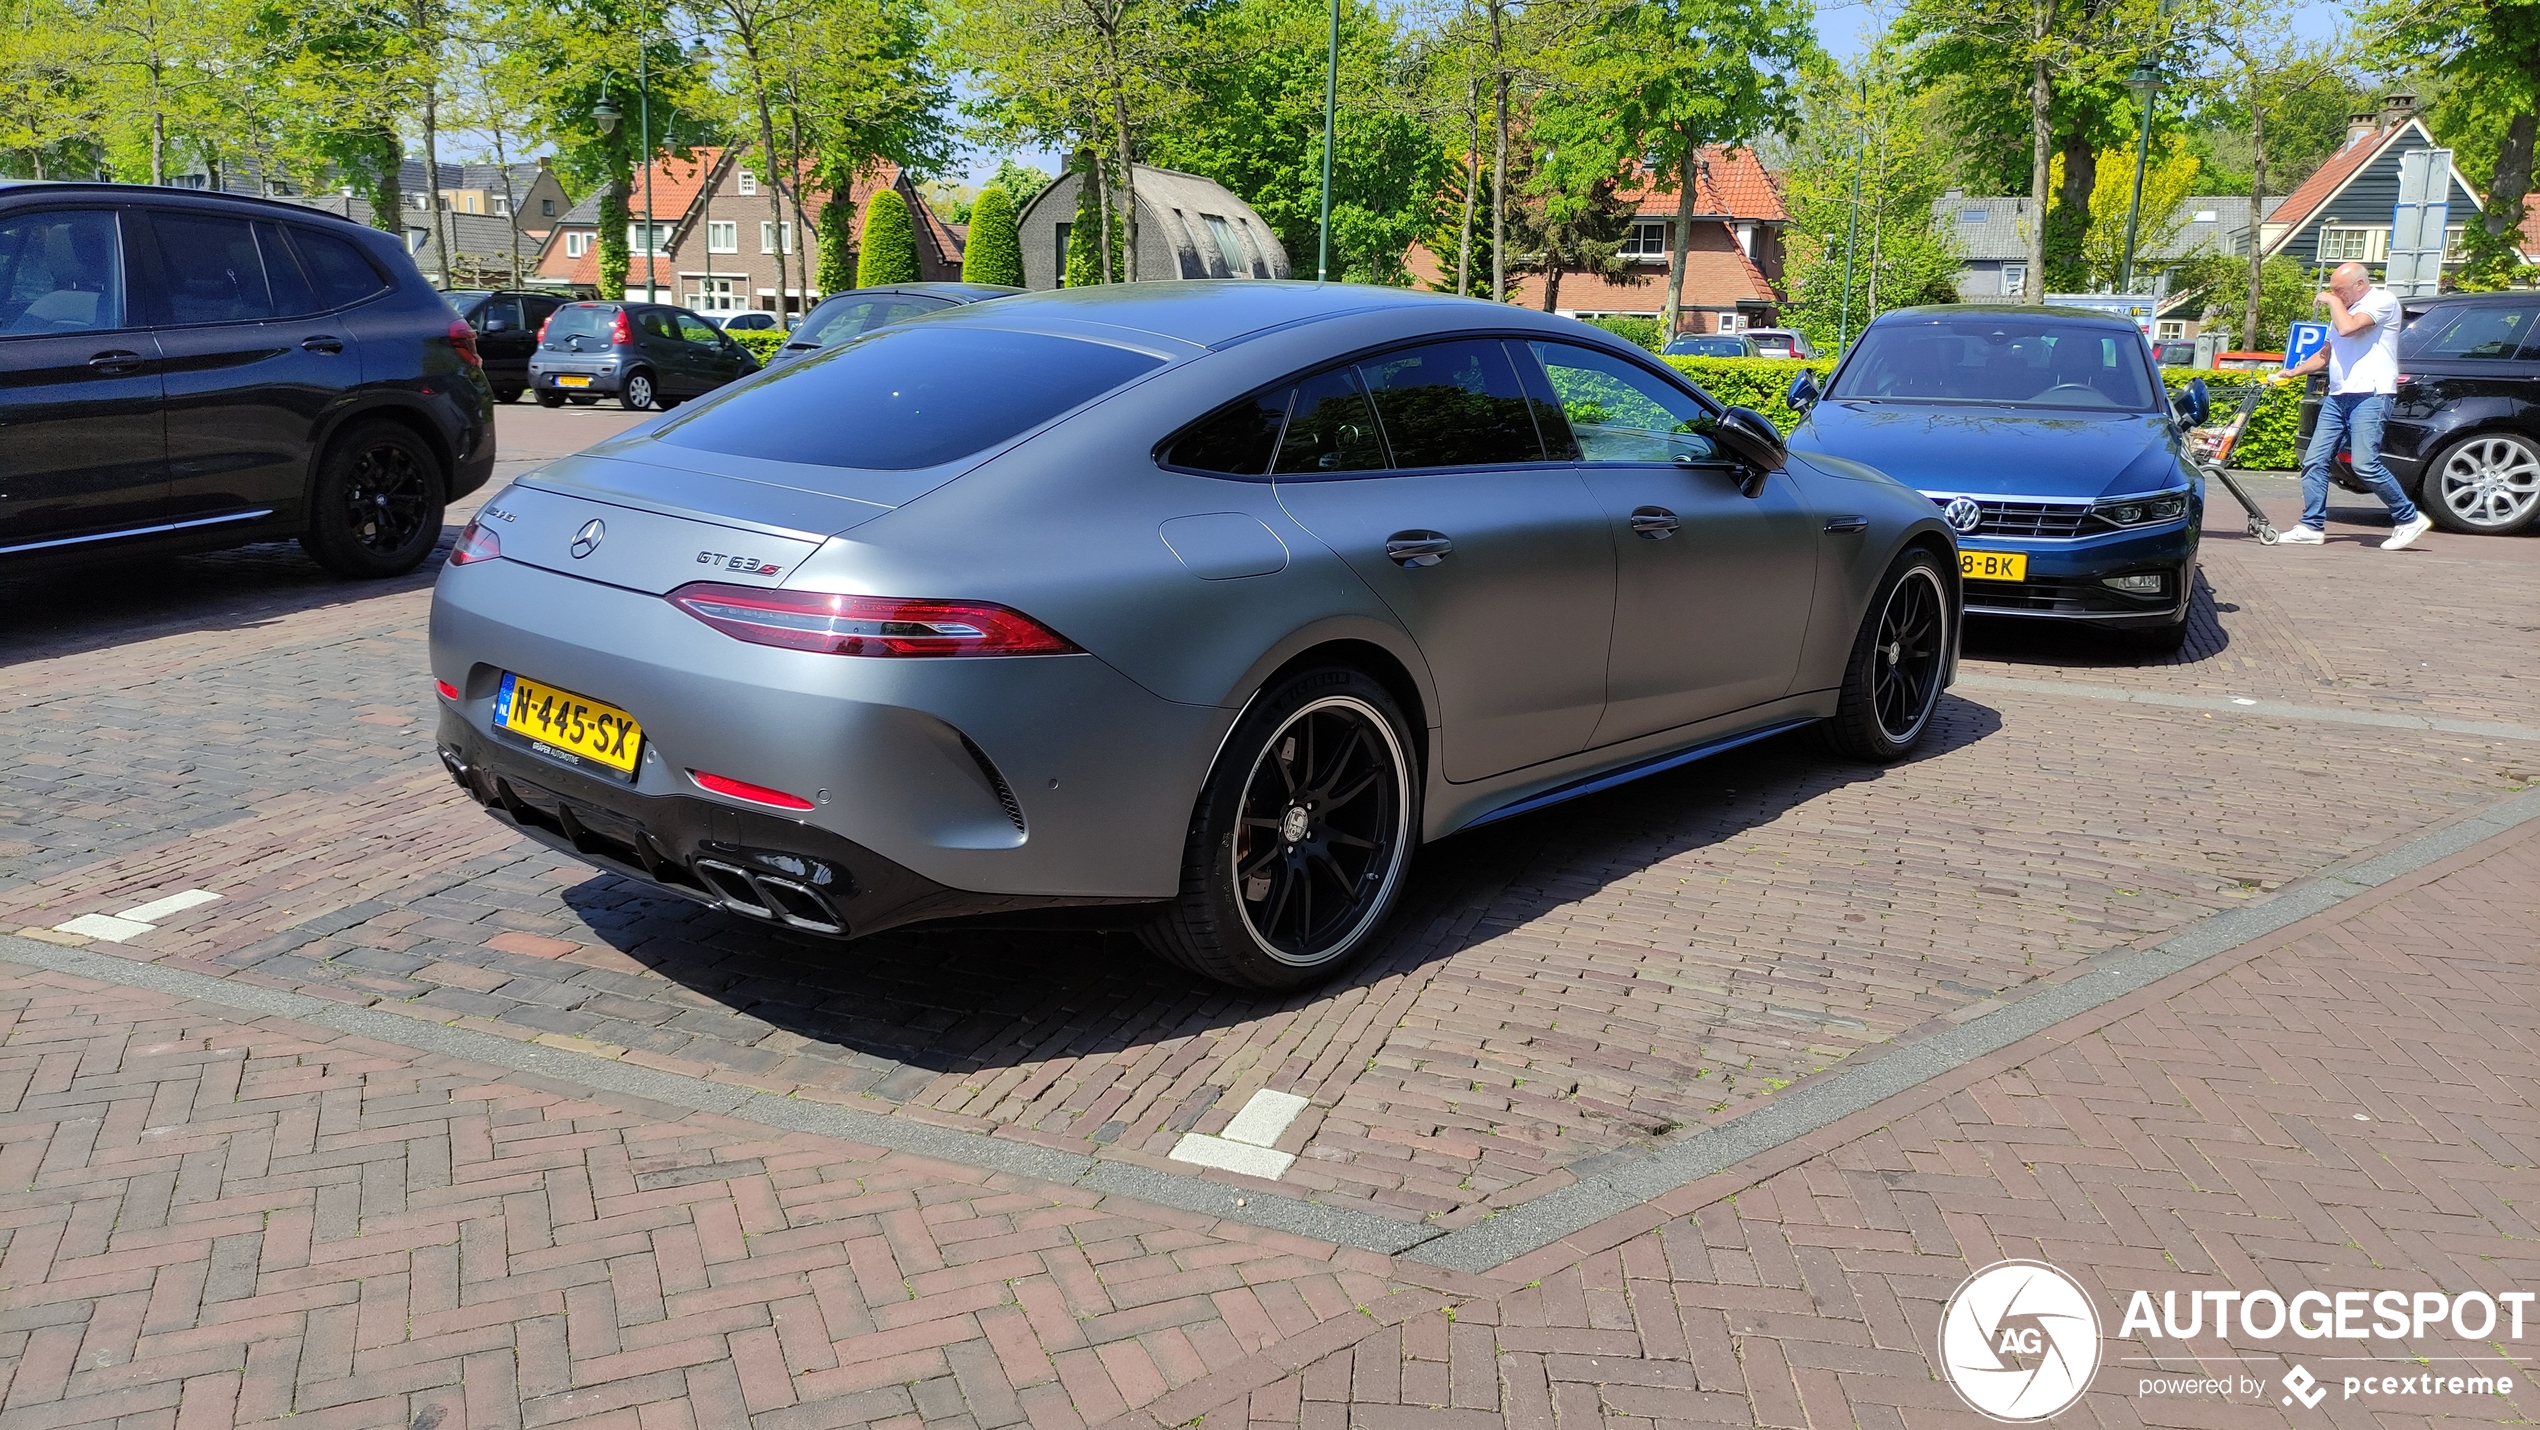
x=1733, y=260
x=716, y=241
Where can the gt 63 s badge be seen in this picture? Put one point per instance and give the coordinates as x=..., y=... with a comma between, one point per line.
x=2019, y=1342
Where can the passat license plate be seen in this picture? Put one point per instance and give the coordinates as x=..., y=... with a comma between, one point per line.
x=573, y=379
x=1993, y=565
x=563, y=725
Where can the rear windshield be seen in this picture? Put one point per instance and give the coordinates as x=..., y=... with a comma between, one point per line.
x=1999, y=360
x=580, y=320
x=908, y=397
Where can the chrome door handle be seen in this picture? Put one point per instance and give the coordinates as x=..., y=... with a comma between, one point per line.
x=323, y=344
x=1842, y=525
x=116, y=361
x=1418, y=548
x=1656, y=523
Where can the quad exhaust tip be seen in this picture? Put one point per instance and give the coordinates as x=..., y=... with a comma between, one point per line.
x=768, y=898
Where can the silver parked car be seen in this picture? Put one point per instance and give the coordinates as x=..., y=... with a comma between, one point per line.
x=1214, y=597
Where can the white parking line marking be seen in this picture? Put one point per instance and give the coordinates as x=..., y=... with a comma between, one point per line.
x=136, y=921
x=1248, y=1143
x=158, y=909
x=105, y=926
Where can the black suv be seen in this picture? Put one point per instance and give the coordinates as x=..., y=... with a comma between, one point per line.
x=2464, y=431
x=646, y=355
x=506, y=323
x=187, y=371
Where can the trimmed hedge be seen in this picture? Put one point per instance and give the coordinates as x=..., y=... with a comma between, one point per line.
x=888, y=253
x=2271, y=443
x=994, y=253
x=1643, y=331
x=761, y=343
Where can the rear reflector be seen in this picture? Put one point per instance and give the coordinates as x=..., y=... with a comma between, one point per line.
x=448, y=691
x=743, y=789
x=476, y=543
x=463, y=338
x=867, y=625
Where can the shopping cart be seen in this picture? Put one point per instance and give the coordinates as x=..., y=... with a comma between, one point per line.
x=2217, y=463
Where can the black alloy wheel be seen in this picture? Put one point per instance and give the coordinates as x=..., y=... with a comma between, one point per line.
x=1301, y=839
x=1892, y=682
x=376, y=510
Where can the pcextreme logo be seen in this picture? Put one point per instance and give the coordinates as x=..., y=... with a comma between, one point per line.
x=2019, y=1342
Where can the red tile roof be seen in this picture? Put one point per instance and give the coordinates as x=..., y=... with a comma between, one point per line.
x=677, y=184
x=1729, y=183
x=2312, y=192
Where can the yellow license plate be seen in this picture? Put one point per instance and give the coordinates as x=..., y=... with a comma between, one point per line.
x=572, y=379
x=573, y=727
x=1993, y=565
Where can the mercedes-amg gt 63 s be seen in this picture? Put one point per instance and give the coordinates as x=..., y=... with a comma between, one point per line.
x=1216, y=598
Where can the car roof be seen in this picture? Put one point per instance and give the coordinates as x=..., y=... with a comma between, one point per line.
x=160, y=193
x=2033, y=310
x=1213, y=312
x=958, y=292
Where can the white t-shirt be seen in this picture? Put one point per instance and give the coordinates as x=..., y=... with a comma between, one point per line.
x=2367, y=360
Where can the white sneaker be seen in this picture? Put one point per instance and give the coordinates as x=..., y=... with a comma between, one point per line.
x=2406, y=532
x=2301, y=536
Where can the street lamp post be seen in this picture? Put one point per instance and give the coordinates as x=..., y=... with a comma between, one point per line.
x=2145, y=84
x=1852, y=233
x=644, y=133
x=1331, y=98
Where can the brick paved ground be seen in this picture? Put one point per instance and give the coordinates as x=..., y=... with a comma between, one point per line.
x=209, y=1220
x=1558, y=988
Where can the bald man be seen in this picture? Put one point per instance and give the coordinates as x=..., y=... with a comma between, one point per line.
x=2362, y=358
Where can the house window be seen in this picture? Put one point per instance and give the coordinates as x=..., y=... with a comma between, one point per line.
x=1061, y=270
x=1223, y=233
x=1971, y=215
x=2207, y=216
x=576, y=244
x=767, y=236
x=546, y=208
x=635, y=238
x=2453, y=252
x=749, y=186
x=2353, y=243
x=2014, y=279
x=1729, y=322
x=1647, y=240
x=2171, y=330
x=723, y=235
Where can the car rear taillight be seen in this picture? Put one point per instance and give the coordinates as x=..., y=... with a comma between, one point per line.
x=544, y=324
x=446, y=689
x=619, y=334
x=476, y=543
x=743, y=789
x=867, y=625
x=463, y=338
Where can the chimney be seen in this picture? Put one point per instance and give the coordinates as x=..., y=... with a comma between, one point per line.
x=2397, y=108
x=2361, y=126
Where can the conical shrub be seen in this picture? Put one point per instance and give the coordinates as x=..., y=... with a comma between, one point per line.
x=994, y=253
x=888, y=253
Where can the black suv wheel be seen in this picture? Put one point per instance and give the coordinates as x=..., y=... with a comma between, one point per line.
x=377, y=506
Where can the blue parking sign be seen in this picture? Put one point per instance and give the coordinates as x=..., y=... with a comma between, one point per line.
x=2302, y=340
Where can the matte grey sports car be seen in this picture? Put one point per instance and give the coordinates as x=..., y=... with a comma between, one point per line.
x=1214, y=597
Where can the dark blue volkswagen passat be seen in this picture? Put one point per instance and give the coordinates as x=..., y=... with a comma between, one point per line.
x=1215, y=597
x=2045, y=438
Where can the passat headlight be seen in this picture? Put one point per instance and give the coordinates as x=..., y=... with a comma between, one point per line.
x=2140, y=511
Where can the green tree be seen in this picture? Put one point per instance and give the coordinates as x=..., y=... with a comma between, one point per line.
x=2266, y=74
x=2218, y=282
x=1866, y=119
x=994, y=253
x=2490, y=50
x=888, y=253
x=1088, y=234
x=837, y=271
x=50, y=106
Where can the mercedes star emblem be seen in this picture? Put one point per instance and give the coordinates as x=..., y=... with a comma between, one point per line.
x=587, y=540
x=1962, y=515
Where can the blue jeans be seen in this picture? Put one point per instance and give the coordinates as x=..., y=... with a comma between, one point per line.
x=2351, y=420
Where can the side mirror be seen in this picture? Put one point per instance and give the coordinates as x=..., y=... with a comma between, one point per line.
x=1803, y=391
x=1753, y=440
x=2195, y=404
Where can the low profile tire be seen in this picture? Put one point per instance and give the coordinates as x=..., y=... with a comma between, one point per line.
x=2485, y=485
x=507, y=394
x=1301, y=839
x=639, y=394
x=376, y=509
x=1892, y=681
x=550, y=399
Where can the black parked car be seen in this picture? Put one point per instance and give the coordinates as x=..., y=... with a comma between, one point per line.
x=506, y=324
x=646, y=355
x=841, y=316
x=2464, y=434
x=186, y=371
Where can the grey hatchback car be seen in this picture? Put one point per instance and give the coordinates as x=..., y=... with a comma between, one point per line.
x=1217, y=598
x=646, y=355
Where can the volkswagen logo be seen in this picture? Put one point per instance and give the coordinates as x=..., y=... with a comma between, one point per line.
x=1962, y=514
x=587, y=540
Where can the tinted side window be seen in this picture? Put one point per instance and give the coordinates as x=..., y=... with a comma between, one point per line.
x=1621, y=412
x=505, y=311
x=540, y=309
x=214, y=272
x=841, y=323
x=655, y=323
x=2470, y=333
x=337, y=270
x=1330, y=428
x=1455, y=404
x=1238, y=439
x=61, y=271
x=292, y=294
